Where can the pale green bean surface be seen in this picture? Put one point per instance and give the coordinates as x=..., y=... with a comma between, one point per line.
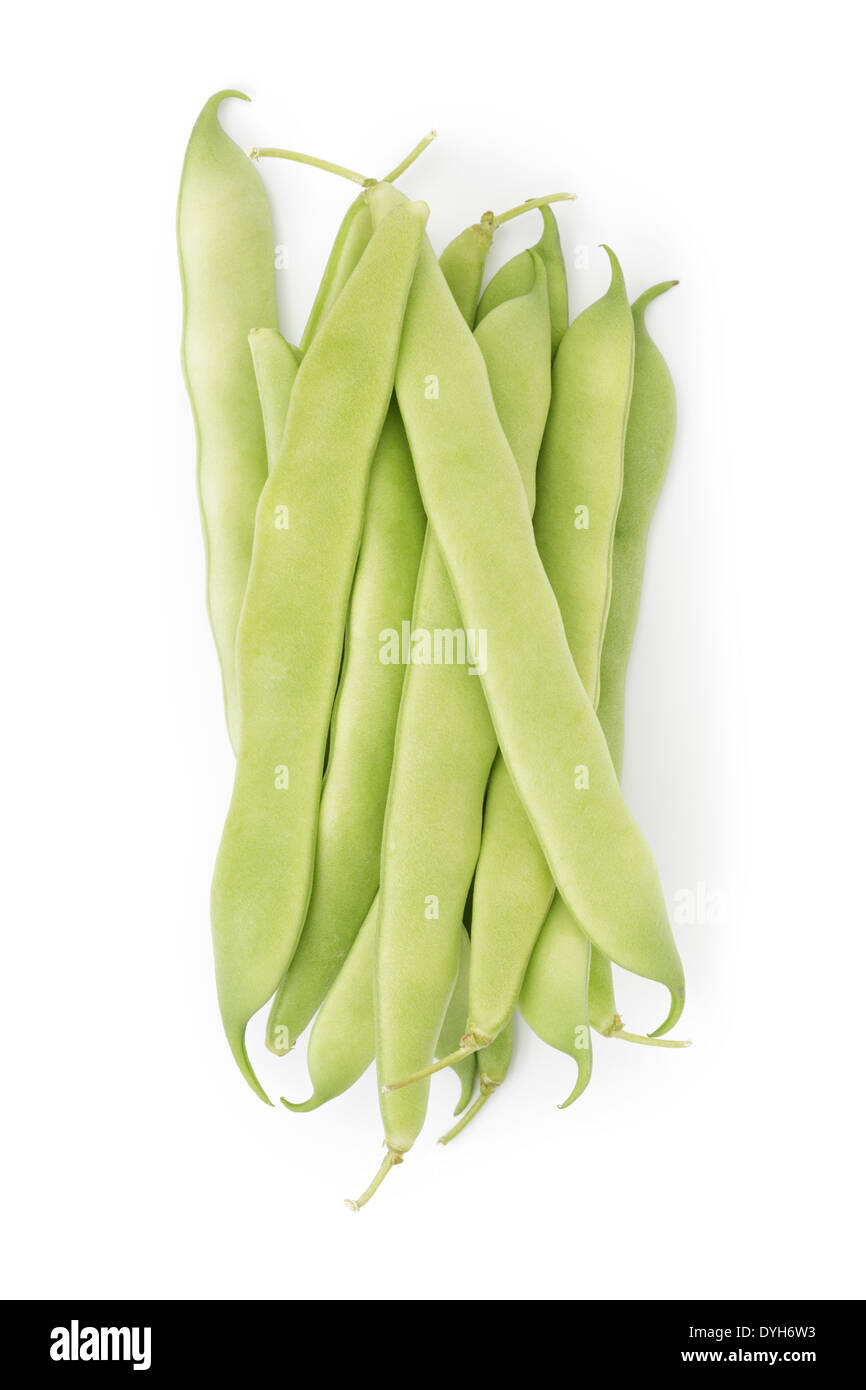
x=290, y=635
x=425, y=536
x=226, y=247
x=545, y=723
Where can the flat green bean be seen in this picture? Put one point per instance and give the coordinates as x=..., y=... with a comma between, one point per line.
x=463, y=260
x=290, y=635
x=551, y=739
x=580, y=478
x=226, y=248
x=275, y=364
x=346, y=873
x=352, y=812
x=648, y=447
x=494, y=1058
x=443, y=751
x=352, y=236
x=554, y=995
x=579, y=484
x=493, y=1063
x=444, y=748
x=516, y=275
x=649, y=444
x=343, y=1040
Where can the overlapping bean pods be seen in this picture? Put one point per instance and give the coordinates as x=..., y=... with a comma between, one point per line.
x=423, y=670
x=550, y=737
x=290, y=633
x=275, y=364
x=516, y=276
x=444, y=739
x=579, y=486
x=343, y=1038
x=346, y=870
x=346, y=873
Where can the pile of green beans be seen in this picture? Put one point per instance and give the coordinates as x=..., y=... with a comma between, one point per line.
x=425, y=537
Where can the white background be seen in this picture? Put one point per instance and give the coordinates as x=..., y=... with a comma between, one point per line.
x=718, y=144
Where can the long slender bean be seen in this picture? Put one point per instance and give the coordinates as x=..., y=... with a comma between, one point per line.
x=226, y=248
x=546, y=726
x=444, y=748
x=649, y=444
x=346, y=874
x=290, y=636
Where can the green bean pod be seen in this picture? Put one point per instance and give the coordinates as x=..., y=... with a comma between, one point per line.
x=580, y=471
x=552, y=742
x=343, y=1039
x=452, y=1029
x=352, y=236
x=290, y=636
x=226, y=248
x=554, y=995
x=350, y=242
x=648, y=448
x=601, y=1000
x=648, y=445
x=343, y=1042
x=512, y=881
x=494, y=1059
x=275, y=364
x=463, y=262
x=346, y=873
x=515, y=277
x=579, y=478
x=493, y=1063
x=603, y=1015
x=443, y=752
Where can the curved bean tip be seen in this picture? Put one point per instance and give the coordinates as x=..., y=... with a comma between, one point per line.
x=225, y=94
x=241, y=1056
x=649, y=295
x=617, y=278
x=584, y=1075
x=470, y=1114
x=299, y=1107
x=678, y=999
